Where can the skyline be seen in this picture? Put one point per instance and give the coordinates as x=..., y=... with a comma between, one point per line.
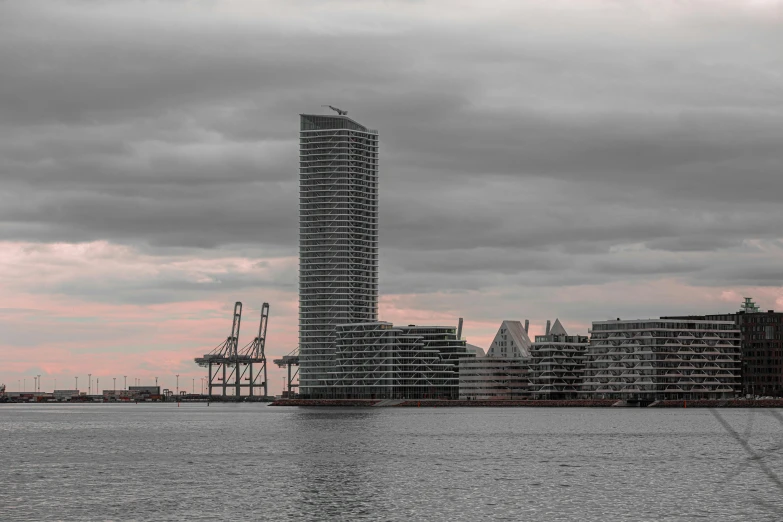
x=585, y=160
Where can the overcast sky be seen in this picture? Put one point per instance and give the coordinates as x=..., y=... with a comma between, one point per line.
x=578, y=159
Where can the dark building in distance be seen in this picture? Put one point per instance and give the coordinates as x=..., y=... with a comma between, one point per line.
x=762, y=352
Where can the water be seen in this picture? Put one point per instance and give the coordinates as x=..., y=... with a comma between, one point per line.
x=255, y=462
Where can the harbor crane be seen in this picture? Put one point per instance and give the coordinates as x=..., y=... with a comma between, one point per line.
x=335, y=109
x=288, y=361
x=237, y=364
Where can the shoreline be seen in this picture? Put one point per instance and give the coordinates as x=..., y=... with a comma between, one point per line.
x=576, y=403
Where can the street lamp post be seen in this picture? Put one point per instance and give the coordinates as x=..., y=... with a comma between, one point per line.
x=77, y=382
x=89, y=384
x=126, y=381
x=39, y=383
x=177, y=386
x=193, y=389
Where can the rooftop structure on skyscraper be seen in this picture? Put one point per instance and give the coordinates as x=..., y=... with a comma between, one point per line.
x=749, y=307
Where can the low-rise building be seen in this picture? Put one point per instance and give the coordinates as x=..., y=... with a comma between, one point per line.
x=145, y=391
x=489, y=378
x=118, y=395
x=65, y=395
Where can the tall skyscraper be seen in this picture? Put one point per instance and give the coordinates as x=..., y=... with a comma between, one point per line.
x=338, y=239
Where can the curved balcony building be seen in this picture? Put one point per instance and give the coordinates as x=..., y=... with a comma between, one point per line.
x=377, y=360
x=557, y=364
x=657, y=359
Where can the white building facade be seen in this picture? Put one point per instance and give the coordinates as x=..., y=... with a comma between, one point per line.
x=662, y=359
x=511, y=340
x=557, y=364
x=380, y=361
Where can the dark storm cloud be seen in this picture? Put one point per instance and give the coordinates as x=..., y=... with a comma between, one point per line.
x=524, y=149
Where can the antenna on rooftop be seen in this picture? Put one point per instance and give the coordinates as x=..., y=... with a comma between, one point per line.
x=335, y=109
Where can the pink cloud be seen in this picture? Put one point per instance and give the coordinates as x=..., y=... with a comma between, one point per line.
x=57, y=335
x=52, y=326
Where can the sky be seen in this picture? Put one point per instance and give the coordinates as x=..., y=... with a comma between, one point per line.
x=580, y=159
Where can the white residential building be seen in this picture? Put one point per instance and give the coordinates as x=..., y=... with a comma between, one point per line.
x=510, y=341
x=557, y=364
x=380, y=361
x=668, y=358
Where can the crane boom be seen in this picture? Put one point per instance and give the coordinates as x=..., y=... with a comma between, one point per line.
x=335, y=109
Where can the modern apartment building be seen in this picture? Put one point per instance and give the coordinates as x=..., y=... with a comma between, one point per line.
x=667, y=358
x=762, y=352
x=511, y=340
x=380, y=361
x=761, y=347
x=338, y=239
x=557, y=364
x=451, y=348
x=504, y=373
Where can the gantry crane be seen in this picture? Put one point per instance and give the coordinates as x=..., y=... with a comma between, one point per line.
x=288, y=361
x=237, y=365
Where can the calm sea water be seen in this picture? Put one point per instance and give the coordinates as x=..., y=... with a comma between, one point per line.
x=255, y=462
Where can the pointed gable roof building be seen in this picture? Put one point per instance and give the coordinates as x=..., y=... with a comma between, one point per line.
x=511, y=341
x=557, y=329
x=557, y=364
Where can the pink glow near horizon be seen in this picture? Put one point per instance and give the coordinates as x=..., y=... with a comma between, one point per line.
x=56, y=334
